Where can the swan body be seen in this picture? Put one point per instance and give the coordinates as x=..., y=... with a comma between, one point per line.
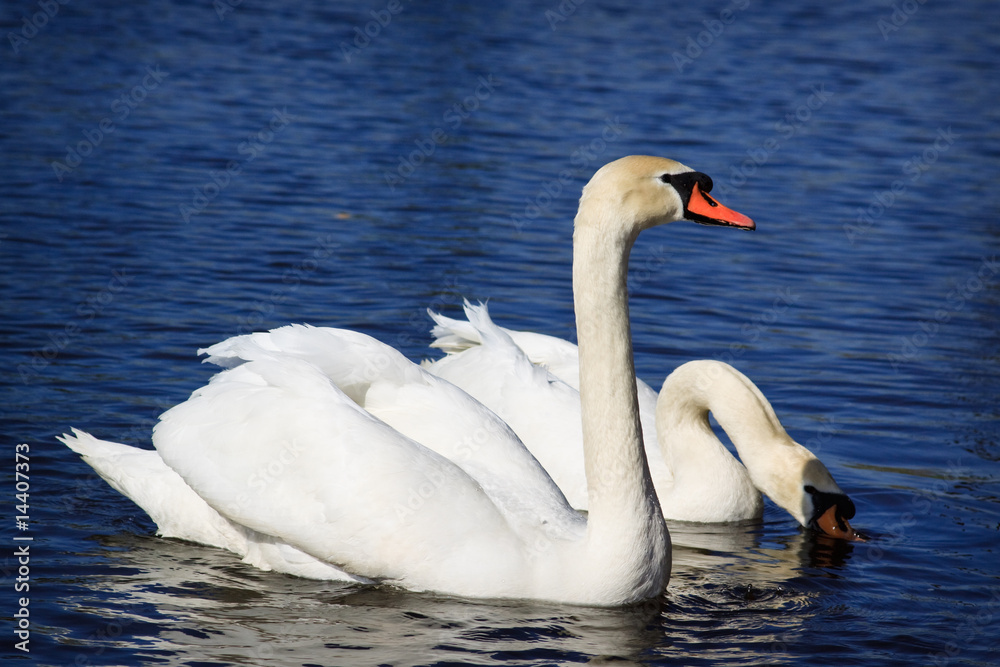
x=396, y=400
x=695, y=476
x=329, y=447
x=179, y=512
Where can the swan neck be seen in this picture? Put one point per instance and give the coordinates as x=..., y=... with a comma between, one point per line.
x=741, y=410
x=626, y=556
x=618, y=478
x=748, y=419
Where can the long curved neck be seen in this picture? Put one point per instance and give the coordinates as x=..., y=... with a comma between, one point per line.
x=625, y=526
x=747, y=417
x=708, y=483
x=742, y=411
x=770, y=455
x=612, y=436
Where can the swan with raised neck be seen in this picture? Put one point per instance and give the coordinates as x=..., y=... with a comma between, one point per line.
x=342, y=504
x=622, y=199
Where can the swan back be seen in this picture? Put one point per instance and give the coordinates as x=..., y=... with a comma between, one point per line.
x=418, y=405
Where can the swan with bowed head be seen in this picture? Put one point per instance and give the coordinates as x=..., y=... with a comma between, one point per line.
x=324, y=453
x=531, y=381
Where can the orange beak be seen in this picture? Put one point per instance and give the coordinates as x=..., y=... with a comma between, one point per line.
x=708, y=211
x=836, y=526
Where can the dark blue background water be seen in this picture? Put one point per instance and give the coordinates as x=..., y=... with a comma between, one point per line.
x=173, y=174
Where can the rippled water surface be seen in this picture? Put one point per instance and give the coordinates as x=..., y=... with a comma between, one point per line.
x=173, y=174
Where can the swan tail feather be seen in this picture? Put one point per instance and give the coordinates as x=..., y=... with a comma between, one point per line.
x=143, y=477
x=454, y=336
x=451, y=335
x=489, y=333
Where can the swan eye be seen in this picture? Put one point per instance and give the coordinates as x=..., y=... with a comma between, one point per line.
x=685, y=182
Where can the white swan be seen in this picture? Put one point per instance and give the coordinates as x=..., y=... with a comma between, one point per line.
x=286, y=451
x=371, y=375
x=530, y=381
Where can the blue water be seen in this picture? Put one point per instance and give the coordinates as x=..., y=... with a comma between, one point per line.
x=174, y=174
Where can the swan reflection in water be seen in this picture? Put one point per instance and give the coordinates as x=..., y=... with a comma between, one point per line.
x=737, y=582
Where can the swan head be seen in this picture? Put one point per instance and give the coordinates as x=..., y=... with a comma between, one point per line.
x=824, y=506
x=646, y=191
x=801, y=484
